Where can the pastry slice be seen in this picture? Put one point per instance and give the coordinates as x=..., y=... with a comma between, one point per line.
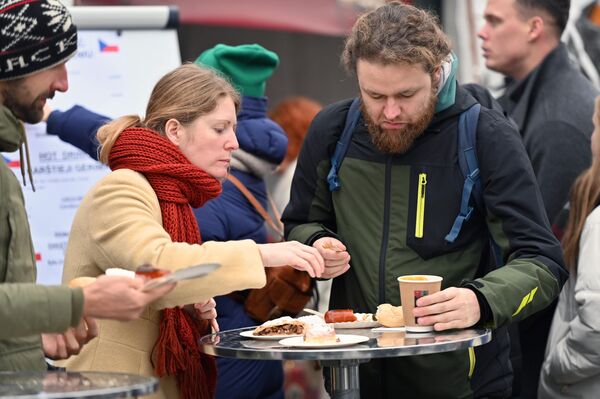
x=281, y=326
x=320, y=334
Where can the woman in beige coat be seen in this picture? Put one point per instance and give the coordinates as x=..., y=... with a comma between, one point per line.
x=140, y=213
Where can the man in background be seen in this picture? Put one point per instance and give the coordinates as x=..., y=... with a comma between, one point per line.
x=552, y=103
x=36, y=40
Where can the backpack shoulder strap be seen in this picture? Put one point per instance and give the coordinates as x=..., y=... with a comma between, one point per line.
x=469, y=167
x=342, y=144
x=467, y=151
x=467, y=161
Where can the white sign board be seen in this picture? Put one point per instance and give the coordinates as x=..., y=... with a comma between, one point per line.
x=113, y=74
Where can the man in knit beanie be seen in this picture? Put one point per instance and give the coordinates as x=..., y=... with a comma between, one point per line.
x=37, y=37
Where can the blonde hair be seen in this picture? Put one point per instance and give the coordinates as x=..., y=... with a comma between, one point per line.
x=584, y=198
x=184, y=94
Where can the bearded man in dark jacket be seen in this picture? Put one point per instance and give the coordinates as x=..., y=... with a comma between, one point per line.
x=410, y=106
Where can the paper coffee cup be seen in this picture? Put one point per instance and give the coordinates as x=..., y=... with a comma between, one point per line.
x=413, y=287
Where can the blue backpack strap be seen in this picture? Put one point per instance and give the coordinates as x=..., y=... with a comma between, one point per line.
x=342, y=144
x=467, y=161
x=469, y=167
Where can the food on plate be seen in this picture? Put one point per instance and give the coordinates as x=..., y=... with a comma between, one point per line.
x=281, y=326
x=364, y=317
x=320, y=334
x=390, y=316
x=340, y=316
x=81, y=281
x=312, y=319
x=148, y=271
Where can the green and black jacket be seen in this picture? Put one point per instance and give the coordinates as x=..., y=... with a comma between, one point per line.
x=375, y=213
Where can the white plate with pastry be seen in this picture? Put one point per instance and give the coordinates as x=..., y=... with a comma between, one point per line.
x=356, y=324
x=363, y=320
x=276, y=337
x=342, y=340
x=276, y=329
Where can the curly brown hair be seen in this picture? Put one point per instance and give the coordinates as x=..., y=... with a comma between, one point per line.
x=396, y=33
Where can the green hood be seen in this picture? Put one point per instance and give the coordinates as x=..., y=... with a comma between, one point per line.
x=447, y=93
x=11, y=131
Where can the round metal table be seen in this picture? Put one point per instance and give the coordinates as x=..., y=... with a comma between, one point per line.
x=85, y=384
x=343, y=362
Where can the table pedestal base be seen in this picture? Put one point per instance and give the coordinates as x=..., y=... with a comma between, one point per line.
x=344, y=382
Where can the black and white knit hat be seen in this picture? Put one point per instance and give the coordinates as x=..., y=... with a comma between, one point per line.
x=34, y=35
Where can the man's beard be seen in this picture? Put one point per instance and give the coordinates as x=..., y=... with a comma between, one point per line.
x=399, y=141
x=15, y=95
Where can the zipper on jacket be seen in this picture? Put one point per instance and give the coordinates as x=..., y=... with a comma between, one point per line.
x=419, y=220
x=386, y=227
x=472, y=361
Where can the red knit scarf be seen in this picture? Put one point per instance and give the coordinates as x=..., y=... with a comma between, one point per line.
x=177, y=184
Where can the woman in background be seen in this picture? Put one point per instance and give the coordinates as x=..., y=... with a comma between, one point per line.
x=174, y=159
x=294, y=115
x=572, y=365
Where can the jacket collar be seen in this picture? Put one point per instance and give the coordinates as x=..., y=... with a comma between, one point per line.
x=520, y=95
x=11, y=131
x=447, y=92
x=463, y=100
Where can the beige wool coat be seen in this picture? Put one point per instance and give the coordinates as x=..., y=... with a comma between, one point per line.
x=119, y=224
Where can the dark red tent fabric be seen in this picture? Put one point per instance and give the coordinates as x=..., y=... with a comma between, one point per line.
x=327, y=17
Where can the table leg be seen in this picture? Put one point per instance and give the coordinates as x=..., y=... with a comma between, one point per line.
x=343, y=378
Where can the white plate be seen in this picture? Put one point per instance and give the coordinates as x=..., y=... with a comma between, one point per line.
x=248, y=334
x=344, y=340
x=356, y=324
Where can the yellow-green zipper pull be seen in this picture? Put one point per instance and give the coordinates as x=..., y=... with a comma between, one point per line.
x=420, y=205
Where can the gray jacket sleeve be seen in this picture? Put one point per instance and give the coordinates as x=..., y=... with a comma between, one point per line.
x=577, y=355
x=27, y=309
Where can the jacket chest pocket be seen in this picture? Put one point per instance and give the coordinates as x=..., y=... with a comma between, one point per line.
x=433, y=204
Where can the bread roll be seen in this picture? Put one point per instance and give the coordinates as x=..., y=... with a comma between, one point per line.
x=81, y=281
x=390, y=316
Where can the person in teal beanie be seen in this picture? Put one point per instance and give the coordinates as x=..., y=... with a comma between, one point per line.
x=263, y=145
x=248, y=66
